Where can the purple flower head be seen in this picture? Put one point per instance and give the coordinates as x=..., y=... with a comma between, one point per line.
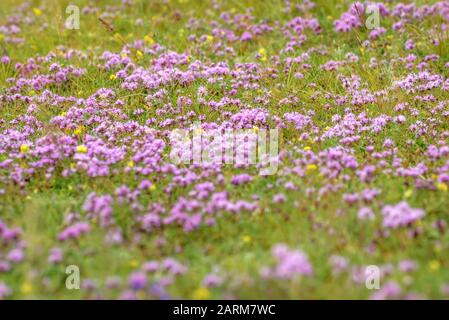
x=291, y=263
x=365, y=213
x=246, y=36
x=55, y=256
x=390, y=290
x=137, y=280
x=74, y=231
x=5, y=60
x=151, y=266
x=212, y=280
x=407, y=266
x=16, y=255
x=400, y=215
x=338, y=264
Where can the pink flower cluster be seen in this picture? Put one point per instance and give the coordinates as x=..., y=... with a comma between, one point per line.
x=290, y=263
x=400, y=215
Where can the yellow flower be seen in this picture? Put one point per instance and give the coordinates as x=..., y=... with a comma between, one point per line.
x=329, y=17
x=112, y=77
x=133, y=263
x=26, y=288
x=37, y=12
x=209, y=38
x=256, y=129
x=124, y=55
x=442, y=187
x=153, y=187
x=307, y=148
x=139, y=54
x=311, y=167
x=408, y=193
x=434, y=265
x=130, y=164
x=149, y=40
x=24, y=148
x=81, y=149
x=201, y=294
x=79, y=130
x=246, y=239
x=263, y=54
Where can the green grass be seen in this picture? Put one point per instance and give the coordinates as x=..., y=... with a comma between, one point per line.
x=301, y=222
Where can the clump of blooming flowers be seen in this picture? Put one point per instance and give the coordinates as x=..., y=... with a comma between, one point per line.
x=290, y=264
x=364, y=153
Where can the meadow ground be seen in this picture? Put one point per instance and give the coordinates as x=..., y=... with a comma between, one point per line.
x=358, y=94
